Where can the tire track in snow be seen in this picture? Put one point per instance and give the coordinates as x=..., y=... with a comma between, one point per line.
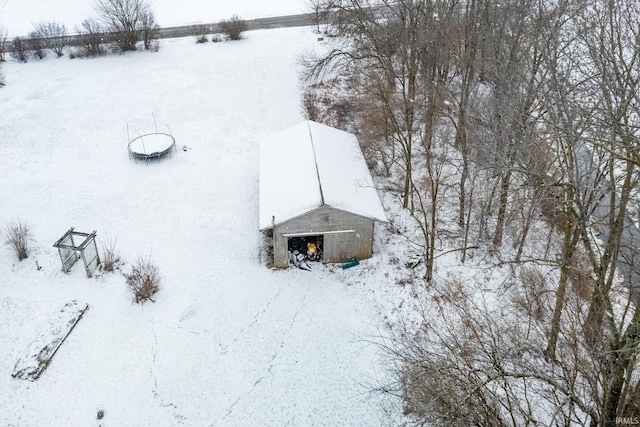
x=207, y=332
x=255, y=319
x=284, y=338
x=180, y=419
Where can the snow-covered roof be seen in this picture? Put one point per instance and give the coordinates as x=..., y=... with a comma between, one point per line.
x=311, y=165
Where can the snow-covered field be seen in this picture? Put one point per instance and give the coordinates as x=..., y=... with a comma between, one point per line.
x=228, y=342
x=18, y=16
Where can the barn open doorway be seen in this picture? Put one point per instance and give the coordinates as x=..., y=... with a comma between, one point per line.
x=307, y=247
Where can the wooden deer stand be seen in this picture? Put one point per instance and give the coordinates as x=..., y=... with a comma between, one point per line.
x=75, y=245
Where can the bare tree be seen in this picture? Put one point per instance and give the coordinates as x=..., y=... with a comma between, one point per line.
x=53, y=34
x=564, y=125
x=399, y=57
x=584, y=104
x=318, y=10
x=468, y=362
x=611, y=41
x=125, y=20
x=511, y=66
x=150, y=31
x=366, y=47
x=466, y=64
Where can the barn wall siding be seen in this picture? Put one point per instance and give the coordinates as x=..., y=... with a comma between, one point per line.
x=338, y=247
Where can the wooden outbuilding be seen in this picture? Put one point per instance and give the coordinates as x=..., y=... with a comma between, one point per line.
x=316, y=192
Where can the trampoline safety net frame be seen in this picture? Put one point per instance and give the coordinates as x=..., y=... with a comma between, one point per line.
x=74, y=245
x=156, y=154
x=148, y=156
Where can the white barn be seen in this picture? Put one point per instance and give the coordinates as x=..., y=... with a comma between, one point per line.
x=315, y=187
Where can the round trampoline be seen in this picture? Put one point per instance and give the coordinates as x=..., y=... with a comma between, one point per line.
x=151, y=145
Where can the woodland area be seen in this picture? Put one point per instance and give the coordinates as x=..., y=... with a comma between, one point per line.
x=513, y=125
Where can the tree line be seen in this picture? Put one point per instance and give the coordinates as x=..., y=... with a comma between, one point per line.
x=119, y=26
x=517, y=121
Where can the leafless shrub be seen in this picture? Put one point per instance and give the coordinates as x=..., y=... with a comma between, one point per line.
x=376, y=137
x=20, y=49
x=36, y=45
x=580, y=276
x=551, y=208
x=91, y=39
x=267, y=244
x=326, y=103
x=18, y=238
x=532, y=293
x=233, y=28
x=143, y=280
x=53, y=35
x=110, y=255
x=330, y=103
x=310, y=105
x=200, y=32
x=342, y=112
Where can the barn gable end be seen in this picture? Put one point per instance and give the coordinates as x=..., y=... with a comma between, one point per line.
x=314, y=182
x=345, y=235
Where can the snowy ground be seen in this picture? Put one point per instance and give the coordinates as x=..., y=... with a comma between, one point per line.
x=18, y=16
x=228, y=341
